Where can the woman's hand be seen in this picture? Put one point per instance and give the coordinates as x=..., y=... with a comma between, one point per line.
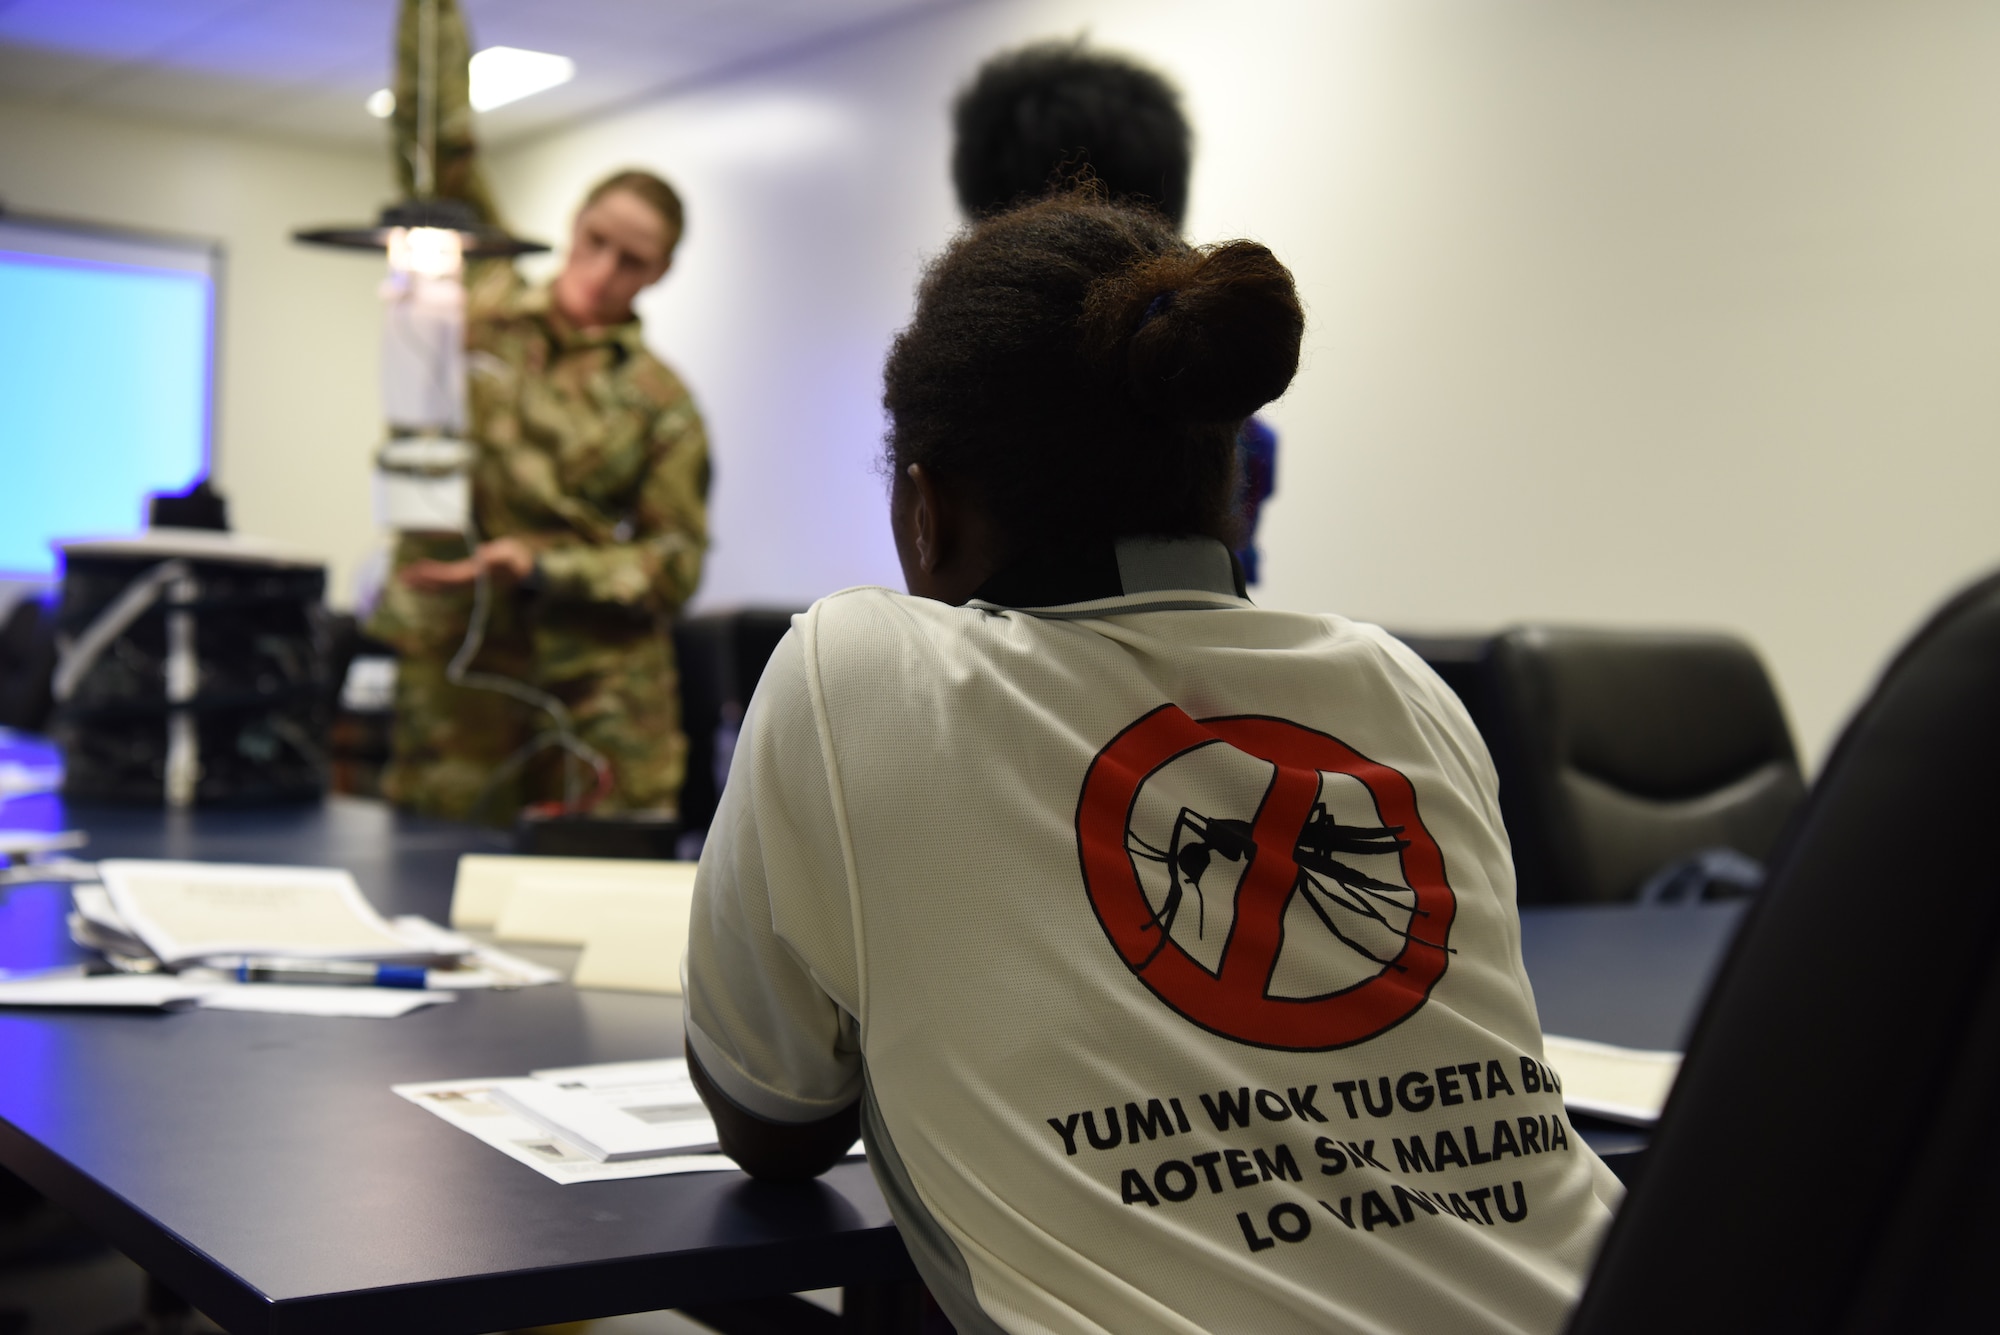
x=509, y=557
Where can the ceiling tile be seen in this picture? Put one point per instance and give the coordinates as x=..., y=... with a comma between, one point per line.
x=35, y=73
x=303, y=67
x=111, y=29
x=200, y=98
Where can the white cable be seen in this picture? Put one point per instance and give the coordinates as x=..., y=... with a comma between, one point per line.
x=78, y=656
x=563, y=734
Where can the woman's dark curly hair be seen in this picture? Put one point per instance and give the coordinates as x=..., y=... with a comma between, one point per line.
x=1078, y=373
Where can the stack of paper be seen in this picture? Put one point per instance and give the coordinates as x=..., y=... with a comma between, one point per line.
x=628, y=1110
x=176, y=932
x=585, y=1123
x=189, y=911
x=151, y=915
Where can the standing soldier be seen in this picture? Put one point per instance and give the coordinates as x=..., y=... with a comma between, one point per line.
x=589, y=489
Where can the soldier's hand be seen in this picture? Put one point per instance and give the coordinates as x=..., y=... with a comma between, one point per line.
x=509, y=557
x=433, y=575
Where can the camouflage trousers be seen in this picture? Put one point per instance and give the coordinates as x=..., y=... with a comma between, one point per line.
x=467, y=753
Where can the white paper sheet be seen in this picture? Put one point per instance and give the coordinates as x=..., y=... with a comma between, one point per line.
x=483, y=965
x=120, y=991
x=658, y=1093
x=469, y=1106
x=24, y=843
x=197, y=910
x=95, y=925
x=94, y=903
x=18, y=780
x=45, y=870
x=357, y=1003
x=28, y=856
x=1619, y=1084
x=628, y=1122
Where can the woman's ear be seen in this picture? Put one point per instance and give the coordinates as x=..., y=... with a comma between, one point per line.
x=944, y=546
x=931, y=523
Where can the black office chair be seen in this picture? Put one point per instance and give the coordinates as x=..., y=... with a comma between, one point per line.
x=27, y=663
x=1825, y=1162
x=721, y=656
x=1622, y=752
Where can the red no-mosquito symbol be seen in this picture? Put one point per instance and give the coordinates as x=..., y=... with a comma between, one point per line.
x=1234, y=1001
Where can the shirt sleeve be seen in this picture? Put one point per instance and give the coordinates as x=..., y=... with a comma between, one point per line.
x=659, y=566
x=772, y=979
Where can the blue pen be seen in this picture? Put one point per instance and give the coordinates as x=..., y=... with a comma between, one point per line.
x=330, y=973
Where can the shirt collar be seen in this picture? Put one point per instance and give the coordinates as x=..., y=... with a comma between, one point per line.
x=1119, y=570
x=538, y=302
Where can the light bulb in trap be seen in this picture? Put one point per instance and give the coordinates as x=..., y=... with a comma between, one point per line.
x=434, y=252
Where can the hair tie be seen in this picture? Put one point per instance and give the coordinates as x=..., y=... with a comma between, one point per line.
x=1157, y=306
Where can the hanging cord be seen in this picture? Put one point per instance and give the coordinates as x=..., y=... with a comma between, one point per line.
x=563, y=732
x=425, y=172
x=76, y=659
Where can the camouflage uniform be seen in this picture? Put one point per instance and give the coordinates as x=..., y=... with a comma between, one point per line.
x=590, y=451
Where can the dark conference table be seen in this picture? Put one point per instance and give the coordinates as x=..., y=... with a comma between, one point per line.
x=260, y=1167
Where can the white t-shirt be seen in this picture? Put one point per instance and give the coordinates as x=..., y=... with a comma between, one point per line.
x=1170, y=945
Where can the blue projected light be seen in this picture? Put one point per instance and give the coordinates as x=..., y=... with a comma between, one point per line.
x=105, y=378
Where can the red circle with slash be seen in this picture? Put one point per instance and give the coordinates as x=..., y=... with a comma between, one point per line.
x=1234, y=1000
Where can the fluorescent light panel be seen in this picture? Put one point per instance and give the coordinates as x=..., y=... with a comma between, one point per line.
x=500, y=74
x=503, y=74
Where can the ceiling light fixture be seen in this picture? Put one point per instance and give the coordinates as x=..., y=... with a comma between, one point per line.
x=503, y=74
x=428, y=233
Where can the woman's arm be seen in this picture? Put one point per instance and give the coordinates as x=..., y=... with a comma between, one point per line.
x=776, y=1151
x=773, y=1038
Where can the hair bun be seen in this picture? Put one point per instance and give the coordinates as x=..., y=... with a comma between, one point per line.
x=1201, y=336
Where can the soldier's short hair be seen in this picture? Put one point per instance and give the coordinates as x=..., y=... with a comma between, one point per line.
x=654, y=192
x=1035, y=118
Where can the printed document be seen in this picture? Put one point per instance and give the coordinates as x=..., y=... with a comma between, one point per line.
x=659, y=1095
x=475, y=1106
x=189, y=911
x=1619, y=1084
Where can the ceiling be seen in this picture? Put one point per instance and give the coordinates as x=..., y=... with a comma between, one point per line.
x=303, y=67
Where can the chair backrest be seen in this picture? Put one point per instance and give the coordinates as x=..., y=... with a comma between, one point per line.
x=1621, y=751
x=27, y=663
x=1460, y=662
x=721, y=657
x=1824, y=1162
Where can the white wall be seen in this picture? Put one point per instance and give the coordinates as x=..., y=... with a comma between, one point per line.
x=297, y=416
x=1679, y=312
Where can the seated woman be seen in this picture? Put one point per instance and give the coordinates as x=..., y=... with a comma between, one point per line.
x=1162, y=947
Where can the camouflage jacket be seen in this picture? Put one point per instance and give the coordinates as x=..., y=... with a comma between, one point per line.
x=591, y=452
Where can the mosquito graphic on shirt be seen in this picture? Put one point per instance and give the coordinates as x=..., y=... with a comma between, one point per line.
x=1334, y=890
